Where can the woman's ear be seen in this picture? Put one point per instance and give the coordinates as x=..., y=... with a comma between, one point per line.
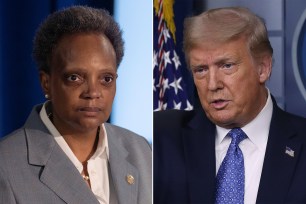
x=45, y=83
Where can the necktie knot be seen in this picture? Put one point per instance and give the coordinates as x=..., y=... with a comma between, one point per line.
x=237, y=135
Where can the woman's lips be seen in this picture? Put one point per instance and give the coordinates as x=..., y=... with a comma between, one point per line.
x=90, y=111
x=219, y=104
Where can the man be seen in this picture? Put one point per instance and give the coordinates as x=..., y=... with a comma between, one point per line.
x=197, y=156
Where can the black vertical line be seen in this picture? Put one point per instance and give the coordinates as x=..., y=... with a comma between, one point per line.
x=53, y=6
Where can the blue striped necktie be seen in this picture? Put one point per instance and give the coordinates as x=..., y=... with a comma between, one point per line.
x=230, y=177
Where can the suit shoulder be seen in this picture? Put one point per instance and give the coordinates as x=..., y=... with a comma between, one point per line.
x=298, y=122
x=291, y=121
x=124, y=135
x=13, y=146
x=172, y=118
x=118, y=129
x=12, y=139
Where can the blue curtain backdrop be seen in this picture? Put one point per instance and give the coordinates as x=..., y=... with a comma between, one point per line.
x=19, y=84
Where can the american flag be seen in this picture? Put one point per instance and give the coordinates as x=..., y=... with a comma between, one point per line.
x=169, y=90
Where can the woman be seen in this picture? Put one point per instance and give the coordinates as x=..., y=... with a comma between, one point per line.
x=66, y=152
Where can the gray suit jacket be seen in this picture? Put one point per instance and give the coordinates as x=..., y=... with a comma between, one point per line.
x=34, y=169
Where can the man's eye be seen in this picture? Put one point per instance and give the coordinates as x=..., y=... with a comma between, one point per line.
x=227, y=66
x=73, y=78
x=200, y=71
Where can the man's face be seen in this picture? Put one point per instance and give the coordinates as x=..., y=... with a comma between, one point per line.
x=229, y=82
x=82, y=82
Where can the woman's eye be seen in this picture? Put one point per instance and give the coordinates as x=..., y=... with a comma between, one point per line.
x=108, y=79
x=74, y=77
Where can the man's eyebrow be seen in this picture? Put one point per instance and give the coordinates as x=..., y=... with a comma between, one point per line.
x=199, y=65
x=222, y=61
x=219, y=61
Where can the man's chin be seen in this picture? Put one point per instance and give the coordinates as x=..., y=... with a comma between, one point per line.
x=223, y=119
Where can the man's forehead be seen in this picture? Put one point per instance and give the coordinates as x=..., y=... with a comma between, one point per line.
x=212, y=56
x=211, y=50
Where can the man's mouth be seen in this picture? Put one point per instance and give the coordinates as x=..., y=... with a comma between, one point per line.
x=219, y=104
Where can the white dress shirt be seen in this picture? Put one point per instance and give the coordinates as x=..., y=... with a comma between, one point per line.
x=253, y=149
x=97, y=165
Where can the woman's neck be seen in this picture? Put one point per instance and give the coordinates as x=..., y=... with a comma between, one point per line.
x=83, y=145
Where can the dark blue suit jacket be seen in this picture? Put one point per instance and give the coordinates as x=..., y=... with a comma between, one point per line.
x=185, y=166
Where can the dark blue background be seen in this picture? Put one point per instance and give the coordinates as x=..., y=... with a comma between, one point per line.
x=19, y=82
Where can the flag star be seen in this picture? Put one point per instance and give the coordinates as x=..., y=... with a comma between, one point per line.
x=177, y=106
x=167, y=58
x=189, y=106
x=157, y=109
x=176, y=60
x=164, y=106
x=155, y=59
x=165, y=84
x=166, y=34
x=176, y=84
x=159, y=106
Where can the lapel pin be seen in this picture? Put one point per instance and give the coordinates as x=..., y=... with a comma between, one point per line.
x=130, y=179
x=289, y=151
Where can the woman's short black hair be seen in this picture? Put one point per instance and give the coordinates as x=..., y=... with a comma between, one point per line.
x=72, y=20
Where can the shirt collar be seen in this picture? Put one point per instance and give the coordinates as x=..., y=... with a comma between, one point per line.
x=101, y=147
x=102, y=143
x=260, y=125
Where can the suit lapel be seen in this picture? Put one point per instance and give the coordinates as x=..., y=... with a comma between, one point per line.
x=124, y=175
x=281, y=156
x=199, y=144
x=58, y=172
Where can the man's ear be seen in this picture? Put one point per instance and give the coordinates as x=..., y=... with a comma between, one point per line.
x=265, y=68
x=45, y=83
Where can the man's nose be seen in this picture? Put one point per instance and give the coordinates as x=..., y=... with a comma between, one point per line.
x=214, y=80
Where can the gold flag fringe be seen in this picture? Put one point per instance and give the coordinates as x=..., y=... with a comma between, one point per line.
x=168, y=15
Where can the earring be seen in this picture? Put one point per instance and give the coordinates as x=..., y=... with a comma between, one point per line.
x=46, y=96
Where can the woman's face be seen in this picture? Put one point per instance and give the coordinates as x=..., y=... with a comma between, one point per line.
x=82, y=82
